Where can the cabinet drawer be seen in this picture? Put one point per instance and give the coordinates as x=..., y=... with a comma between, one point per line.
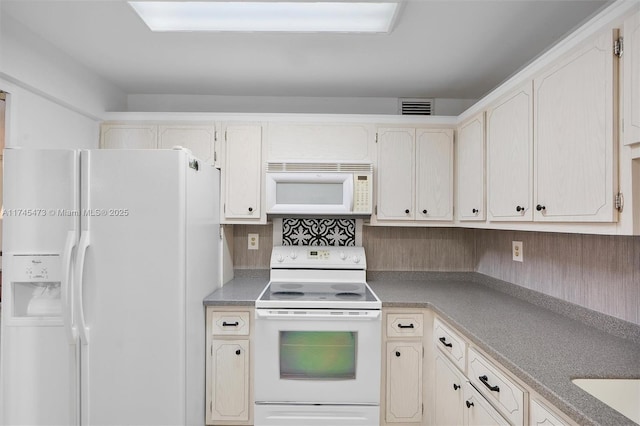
x=505, y=394
x=230, y=323
x=405, y=325
x=450, y=343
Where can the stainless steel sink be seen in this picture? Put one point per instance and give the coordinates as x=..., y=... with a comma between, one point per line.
x=623, y=395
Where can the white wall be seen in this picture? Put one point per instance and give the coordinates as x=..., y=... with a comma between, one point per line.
x=281, y=104
x=38, y=66
x=53, y=102
x=34, y=121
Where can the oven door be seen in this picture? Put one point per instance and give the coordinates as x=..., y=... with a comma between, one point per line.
x=317, y=356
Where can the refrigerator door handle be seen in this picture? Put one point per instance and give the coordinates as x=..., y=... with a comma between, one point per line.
x=84, y=244
x=67, y=292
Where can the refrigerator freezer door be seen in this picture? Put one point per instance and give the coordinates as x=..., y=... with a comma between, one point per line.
x=40, y=200
x=133, y=288
x=39, y=354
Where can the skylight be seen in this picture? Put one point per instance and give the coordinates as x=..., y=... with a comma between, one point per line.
x=305, y=17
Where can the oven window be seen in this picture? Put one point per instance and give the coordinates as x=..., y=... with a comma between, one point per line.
x=318, y=355
x=309, y=193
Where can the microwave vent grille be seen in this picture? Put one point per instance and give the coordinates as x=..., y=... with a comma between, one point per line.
x=320, y=167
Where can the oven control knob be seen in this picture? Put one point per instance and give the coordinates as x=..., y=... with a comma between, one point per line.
x=293, y=255
x=343, y=255
x=279, y=258
x=356, y=259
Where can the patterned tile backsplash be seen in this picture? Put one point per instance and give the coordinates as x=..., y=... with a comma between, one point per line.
x=318, y=232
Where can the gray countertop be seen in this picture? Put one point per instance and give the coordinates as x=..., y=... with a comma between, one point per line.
x=543, y=348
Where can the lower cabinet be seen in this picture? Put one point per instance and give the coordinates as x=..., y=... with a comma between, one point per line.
x=403, y=364
x=404, y=381
x=541, y=415
x=228, y=381
x=448, y=393
x=478, y=412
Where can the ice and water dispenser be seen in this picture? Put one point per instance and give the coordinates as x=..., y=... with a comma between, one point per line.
x=35, y=288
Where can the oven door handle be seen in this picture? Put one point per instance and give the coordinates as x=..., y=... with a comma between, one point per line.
x=328, y=315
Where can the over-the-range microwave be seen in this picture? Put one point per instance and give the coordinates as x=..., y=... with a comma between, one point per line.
x=306, y=188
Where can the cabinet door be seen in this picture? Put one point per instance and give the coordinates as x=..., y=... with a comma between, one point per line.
x=449, y=396
x=509, y=157
x=631, y=83
x=396, y=148
x=478, y=412
x=229, y=381
x=540, y=415
x=242, y=171
x=128, y=136
x=434, y=174
x=404, y=382
x=198, y=139
x=471, y=170
x=573, y=136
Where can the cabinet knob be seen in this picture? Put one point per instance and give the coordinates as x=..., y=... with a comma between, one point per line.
x=540, y=207
x=397, y=353
x=456, y=387
x=469, y=404
x=475, y=211
x=424, y=211
x=238, y=352
x=407, y=211
x=519, y=209
x=250, y=209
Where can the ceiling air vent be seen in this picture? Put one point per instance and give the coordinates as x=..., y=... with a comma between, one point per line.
x=416, y=106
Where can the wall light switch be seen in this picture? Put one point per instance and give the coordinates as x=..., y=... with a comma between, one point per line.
x=253, y=242
x=516, y=251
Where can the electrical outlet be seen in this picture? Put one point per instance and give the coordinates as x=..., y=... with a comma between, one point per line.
x=516, y=251
x=253, y=242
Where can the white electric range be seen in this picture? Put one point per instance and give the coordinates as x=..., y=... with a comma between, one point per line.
x=318, y=337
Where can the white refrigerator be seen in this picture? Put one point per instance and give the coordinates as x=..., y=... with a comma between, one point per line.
x=108, y=255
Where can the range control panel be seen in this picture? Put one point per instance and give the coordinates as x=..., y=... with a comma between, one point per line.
x=318, y=257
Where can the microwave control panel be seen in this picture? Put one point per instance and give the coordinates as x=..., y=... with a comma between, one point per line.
x=362, y=198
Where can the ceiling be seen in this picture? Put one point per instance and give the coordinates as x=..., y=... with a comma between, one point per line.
x=442, y=49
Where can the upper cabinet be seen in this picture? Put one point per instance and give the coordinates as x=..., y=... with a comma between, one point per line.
x=199, y=139
x=509, y=157
x=396, y=174
x=574, y=135
x=242, y=174
x=434, y=174
x=631, y=80
x=415, y=174
x=470, y=154
x=129, y=136
x=318, y=142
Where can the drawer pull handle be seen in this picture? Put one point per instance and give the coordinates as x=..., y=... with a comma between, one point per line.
x=485, y=382
x=444, y=342
x=230, y=324
x=469, y=404
x=456, y=387
x=405, y=326
x=397, y=353
x=238, y=352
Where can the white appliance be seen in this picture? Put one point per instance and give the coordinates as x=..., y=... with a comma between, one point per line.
x=108, y=255
x=318, y=336
x=319, y=188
